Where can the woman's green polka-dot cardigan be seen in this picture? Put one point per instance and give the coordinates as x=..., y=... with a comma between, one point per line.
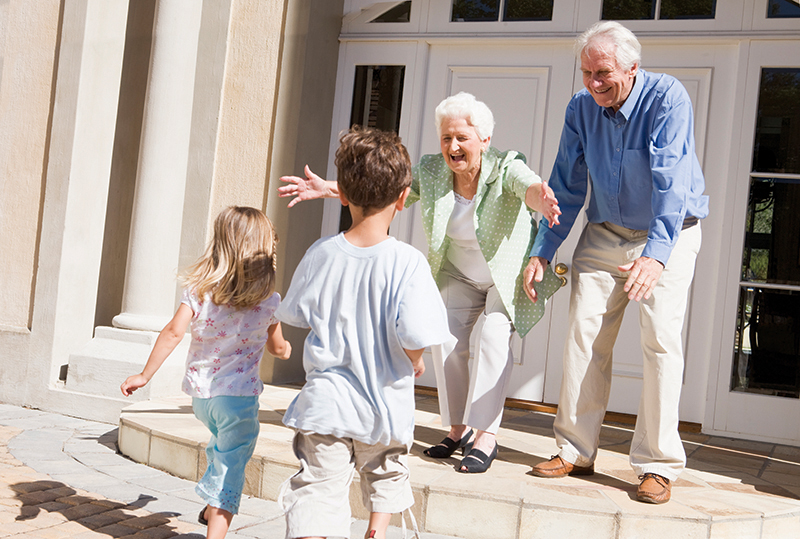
x=503, y=225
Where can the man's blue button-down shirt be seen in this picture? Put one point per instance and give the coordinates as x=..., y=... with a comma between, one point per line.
x=641, y=162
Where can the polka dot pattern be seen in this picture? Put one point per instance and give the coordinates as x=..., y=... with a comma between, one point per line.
x=503, y=225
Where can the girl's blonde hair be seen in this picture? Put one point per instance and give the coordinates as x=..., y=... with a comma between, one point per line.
x=238, y=266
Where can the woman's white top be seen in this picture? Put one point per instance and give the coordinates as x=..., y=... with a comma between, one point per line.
x=464, y=252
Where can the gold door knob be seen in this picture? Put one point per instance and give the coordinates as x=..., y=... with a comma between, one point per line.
x=561, y=268
x=563, y=281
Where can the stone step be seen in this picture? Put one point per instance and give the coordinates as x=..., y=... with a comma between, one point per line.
x=730, y=489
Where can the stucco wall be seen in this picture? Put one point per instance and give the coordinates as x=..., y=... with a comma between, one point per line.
x=28, y=41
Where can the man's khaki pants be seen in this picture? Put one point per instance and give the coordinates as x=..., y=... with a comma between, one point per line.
x=597, y=304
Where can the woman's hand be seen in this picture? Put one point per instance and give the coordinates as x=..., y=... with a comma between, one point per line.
x=309, y=188
x=539, y=197
x=549, y=209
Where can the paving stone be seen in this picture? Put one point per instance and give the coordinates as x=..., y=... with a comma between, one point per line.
x=78, y=512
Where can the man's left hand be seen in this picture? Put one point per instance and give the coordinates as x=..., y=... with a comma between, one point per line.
x=645, y=273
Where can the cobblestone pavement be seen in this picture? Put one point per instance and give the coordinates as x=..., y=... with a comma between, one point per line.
x=62, y=477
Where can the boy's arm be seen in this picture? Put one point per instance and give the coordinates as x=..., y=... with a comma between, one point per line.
x=167, y=340
x=416, y=360
x=276, y=344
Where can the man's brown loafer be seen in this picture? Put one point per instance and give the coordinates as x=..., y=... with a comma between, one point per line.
x=558, y=467
x=653, y=489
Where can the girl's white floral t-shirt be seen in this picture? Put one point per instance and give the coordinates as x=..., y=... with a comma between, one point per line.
x=227, y=345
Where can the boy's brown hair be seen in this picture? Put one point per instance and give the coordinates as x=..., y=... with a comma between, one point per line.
x=373, y=168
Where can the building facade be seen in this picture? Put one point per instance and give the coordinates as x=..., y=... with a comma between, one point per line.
x=127, y=125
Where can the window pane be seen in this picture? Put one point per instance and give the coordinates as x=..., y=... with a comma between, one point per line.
x=399, y=13
x=687, y=9
x=377, y=100
x=767, y=348
x=777, y=144
x=528, y=10
x=772, y=235
x=622, y=10
x=475, y=10
x=778, y=9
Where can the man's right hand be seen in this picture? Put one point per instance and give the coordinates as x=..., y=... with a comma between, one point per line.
x=534, y=272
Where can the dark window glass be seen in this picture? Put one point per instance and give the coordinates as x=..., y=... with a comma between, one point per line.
x=772, y=232
x=687, y=9
x=528, y=10
x=626, y=10
x=782, y=9
x=399, y=13
x=777, y=140
x=475, y=10
x=767, y=348
x=377, y=100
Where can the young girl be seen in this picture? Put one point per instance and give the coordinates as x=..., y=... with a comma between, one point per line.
x=229, y=299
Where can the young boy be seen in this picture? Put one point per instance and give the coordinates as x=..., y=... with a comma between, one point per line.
x=372, y=307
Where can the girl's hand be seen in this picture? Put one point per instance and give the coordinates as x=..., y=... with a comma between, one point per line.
x=287, y=351
x=309, y=188
x=132, y=383
x=549, y=209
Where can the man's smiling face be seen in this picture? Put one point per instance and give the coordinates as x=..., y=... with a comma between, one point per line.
x=607, y=82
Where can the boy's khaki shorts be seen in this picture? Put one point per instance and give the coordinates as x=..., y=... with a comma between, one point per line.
x=317, y=500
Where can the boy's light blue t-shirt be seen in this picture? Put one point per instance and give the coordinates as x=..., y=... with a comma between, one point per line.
x=363, y=306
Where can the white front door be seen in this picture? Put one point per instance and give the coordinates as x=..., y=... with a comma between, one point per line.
x=758, y=383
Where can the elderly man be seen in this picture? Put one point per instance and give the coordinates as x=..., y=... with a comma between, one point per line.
x=629, y=134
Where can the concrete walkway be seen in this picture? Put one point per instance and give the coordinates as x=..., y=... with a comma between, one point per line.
x=62, y=478
x=730, y=489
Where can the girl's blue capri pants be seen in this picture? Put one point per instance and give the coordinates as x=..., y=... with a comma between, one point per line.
x=233, y=422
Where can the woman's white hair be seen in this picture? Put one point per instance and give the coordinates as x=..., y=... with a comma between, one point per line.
x=464, y=105
x=628, y=50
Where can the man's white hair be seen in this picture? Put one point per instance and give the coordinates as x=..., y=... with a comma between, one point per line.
x=627, y=49
x=464, y=105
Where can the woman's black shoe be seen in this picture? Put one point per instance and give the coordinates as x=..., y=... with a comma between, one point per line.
x=448, y=446
x=201, y=518
x=477, y=461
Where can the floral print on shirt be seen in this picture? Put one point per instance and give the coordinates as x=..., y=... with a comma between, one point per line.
x=226, y=347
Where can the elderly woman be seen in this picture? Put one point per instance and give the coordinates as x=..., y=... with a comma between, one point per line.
x=476, y=205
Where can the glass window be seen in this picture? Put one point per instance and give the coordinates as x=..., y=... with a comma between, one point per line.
x=475, y=10
x=767, y=346
x=782, y=9
x=399, y=13
x=687, y=9
x=528, y=10
x=626, y=10
x=377, y=100
x=777, y=144
x=513, y=10
x=650, y=9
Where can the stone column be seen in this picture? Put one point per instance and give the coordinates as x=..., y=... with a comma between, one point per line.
x=154, y=247
x=149, y=297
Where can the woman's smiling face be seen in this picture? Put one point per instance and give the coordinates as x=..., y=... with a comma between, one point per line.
x=607, y=82
x=461, y=146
